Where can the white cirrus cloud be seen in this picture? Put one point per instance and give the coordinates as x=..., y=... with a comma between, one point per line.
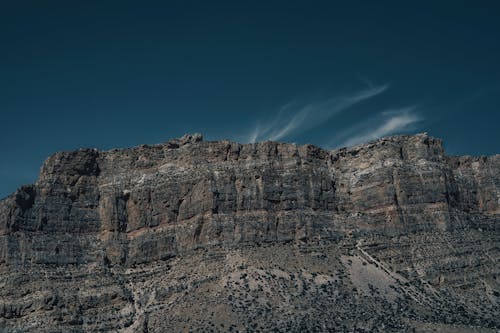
x=385, y=123
x=293, y=119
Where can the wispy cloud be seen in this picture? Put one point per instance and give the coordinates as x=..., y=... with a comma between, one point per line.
x=385, y=123
x=292, y=119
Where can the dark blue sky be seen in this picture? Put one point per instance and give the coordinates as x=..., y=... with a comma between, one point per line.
x=121, y=73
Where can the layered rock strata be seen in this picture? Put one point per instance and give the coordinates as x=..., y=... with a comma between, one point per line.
x=188, y=235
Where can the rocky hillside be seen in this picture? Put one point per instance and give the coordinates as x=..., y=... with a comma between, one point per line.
x=188, y=235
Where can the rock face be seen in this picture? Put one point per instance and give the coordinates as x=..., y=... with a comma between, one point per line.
x=188, y=235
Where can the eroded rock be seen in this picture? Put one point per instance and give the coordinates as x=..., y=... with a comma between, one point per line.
x=191, y=235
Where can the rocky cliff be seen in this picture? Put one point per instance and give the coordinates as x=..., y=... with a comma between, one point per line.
x=188, y=235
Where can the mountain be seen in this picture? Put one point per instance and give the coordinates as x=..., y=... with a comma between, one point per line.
x=196, y=236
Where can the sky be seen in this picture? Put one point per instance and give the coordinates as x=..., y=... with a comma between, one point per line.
x=106, y=74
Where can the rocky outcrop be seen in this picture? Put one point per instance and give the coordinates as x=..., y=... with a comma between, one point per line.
x=104, y=239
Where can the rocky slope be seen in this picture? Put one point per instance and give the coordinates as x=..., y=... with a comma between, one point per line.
x=188, y=235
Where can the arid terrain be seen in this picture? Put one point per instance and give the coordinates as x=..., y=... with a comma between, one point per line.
x=195, y=236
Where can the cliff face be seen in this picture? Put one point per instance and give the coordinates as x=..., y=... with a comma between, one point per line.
x=99, y=242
